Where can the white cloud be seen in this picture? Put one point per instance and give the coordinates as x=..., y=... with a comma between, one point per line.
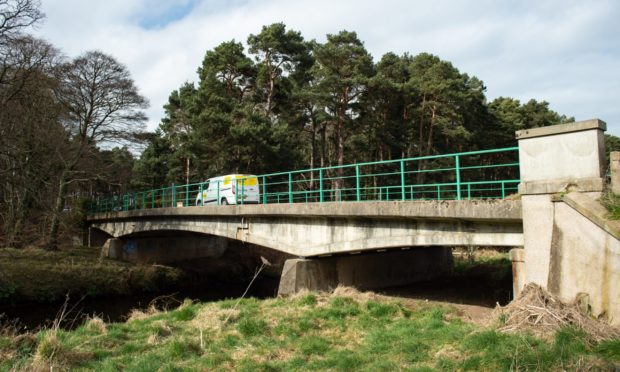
x=564, y=52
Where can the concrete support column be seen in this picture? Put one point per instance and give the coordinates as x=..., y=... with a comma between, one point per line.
x=614, y=168
x=369, y=271
x=518, y=270
x=553, y=160
x=113, y=249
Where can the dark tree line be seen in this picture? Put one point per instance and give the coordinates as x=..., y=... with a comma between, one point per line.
x=280, y=102
x=55, y=114
x=289, y=103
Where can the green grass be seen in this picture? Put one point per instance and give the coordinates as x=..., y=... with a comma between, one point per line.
x=38, y=275
x=612, y=202
x=311, y=332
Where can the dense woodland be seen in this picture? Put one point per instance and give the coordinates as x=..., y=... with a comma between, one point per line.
x=71, y=128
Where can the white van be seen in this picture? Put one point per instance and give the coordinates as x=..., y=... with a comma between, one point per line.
x=230, y=189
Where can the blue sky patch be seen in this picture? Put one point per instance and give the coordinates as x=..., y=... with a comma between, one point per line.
x=160, y=13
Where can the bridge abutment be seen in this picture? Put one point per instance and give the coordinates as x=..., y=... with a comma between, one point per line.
x=365, y=271
x=566, y=250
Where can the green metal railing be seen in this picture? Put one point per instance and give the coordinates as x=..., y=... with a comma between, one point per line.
x=487, y=174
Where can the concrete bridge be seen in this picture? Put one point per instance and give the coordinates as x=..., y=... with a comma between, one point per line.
x=320, y=229
x=561, y=236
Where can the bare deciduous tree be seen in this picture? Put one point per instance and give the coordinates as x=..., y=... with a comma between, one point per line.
x=16, y=15
x=30, y=131
x=103, y=106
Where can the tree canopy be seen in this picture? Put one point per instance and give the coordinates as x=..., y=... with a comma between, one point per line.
x=278, y=102
x=282, y=102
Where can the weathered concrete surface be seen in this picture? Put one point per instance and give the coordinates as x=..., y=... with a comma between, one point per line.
x=537, y=233
x=113, y=249
x=614, y=167
x=570, y=248
x=585, y=255
x=468, y=210
x=517, y=256
x=164, y=249
x=308, y=230
x=560, y=157
x=370, y=271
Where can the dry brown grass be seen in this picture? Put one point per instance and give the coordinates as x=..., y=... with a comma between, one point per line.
x=212, y=318
x=541, y=313
x=137, y=314
x=96, y=325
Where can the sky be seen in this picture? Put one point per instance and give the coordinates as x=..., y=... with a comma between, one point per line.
x=561, y=51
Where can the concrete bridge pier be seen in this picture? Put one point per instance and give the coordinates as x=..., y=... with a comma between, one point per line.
x=365, y=271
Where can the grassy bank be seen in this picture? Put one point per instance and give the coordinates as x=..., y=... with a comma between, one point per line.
x=344, y=331
x=37, y=275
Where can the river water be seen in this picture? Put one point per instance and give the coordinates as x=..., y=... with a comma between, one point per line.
x=117, y=309
x=482, y=285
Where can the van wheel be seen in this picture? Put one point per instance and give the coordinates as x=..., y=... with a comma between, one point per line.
x=224, y=201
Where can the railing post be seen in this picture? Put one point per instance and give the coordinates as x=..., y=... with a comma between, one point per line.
x=264, y=191
x=321, y=185
x=200, y=186
x=402, y=180
x=290, y=187
x=174, y=196
x=237, y=191
x=357, y=182
x=242, y=191
x=503, y=191
x=468, y=191
x=457, y=167
x=218, y=192
x=187, y=195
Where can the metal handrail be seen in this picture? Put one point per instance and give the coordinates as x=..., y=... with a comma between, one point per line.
x=454, y=176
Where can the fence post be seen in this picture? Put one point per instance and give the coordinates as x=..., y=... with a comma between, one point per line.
x=264, y=191
x=290, y=187
x=174, y=196
x=200, y=186
x=242, y=191
x=187, y=195
x=402, y=180
x=321, y=185
x=357, y=182
x=218, y=193
x=457, y=167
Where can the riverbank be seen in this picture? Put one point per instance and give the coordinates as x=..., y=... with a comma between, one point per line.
x=346, y=330
x=35, y=275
